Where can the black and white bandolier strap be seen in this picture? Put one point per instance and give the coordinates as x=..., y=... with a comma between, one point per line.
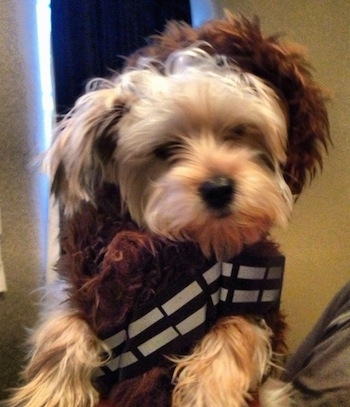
x=182, y=314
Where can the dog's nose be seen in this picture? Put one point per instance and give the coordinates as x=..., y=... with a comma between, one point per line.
x=218, y=192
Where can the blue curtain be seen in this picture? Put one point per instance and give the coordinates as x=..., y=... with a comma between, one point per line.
x=90, y=37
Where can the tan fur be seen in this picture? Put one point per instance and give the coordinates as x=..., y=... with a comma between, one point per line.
x=176, y=210
x=224, y=367
x=65, y=353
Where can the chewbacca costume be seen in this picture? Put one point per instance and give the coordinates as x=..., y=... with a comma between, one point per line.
x=120, y=276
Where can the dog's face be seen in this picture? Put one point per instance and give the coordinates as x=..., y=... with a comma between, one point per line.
x=196, y=150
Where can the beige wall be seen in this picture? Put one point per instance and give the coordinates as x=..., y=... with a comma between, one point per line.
x=317, y=243
x=19, y=185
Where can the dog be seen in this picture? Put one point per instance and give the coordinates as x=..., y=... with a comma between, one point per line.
x=170, y=176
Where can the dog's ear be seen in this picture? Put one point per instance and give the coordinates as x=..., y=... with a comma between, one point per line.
x=82, y=155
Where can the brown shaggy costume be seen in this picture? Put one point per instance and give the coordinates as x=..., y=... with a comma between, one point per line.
x=113, y=267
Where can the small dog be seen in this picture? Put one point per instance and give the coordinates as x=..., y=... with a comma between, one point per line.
x=177, y=168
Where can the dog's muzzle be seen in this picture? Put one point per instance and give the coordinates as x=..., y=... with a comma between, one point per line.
x=217, y=192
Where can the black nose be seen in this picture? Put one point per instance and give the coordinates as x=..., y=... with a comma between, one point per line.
x=217, y=192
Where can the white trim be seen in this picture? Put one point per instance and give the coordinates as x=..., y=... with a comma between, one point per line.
x=43, y=17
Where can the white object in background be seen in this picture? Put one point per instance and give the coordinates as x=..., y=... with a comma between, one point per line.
x=202, y=10
x=53, y=247
x=3, y=286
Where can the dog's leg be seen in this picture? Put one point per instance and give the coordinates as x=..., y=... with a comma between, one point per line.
x=225, y=366
x=65, y=353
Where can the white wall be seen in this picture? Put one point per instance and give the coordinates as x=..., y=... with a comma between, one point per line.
x=22, y=208
x=317, y=243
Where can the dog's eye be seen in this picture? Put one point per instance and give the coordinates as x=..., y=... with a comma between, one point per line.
x=266, y=160
x=236, y=133
x=167, y=150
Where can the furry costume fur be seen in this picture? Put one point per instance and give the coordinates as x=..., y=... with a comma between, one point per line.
x=114, y=264
x=124, y=268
